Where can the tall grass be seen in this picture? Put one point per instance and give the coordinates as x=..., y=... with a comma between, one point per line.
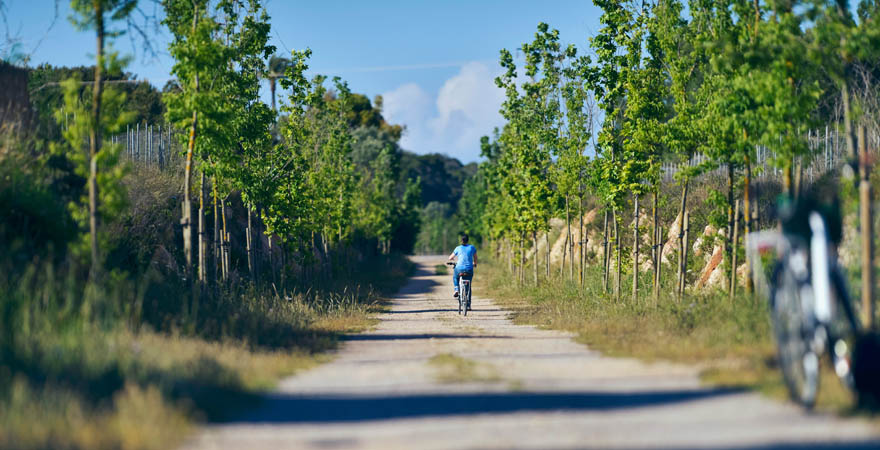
x=79, y=368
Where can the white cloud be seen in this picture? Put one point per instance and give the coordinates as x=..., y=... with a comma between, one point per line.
x=466, y=108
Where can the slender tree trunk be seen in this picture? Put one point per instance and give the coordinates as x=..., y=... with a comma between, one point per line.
x=733, y=244
x=867, y=228
x=216, y=241
x=570, y=240
x=95, y=136
x=272, y=82
x=225, y=235
x=658, y=272
x=657, y=256
x=619, y=244
x=581, y=242
x=728, y=245
x=203, y=243
x=684, y=259
x=511, y=255
x=682, y=264
x=635, y=249
x=186, y=220
x=535, y=256
x=847, y=119
x=562, y=263
x=251, y=254
x=605, y=254
x=787, y=180
x=547, y=238
x=747, y=218
x=522, y=258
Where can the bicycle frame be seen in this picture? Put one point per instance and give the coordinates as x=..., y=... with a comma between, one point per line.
x=820, y=262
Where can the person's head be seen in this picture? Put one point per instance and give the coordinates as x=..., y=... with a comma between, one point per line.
x=464, y=238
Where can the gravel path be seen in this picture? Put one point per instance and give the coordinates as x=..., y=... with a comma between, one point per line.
x=500, y=385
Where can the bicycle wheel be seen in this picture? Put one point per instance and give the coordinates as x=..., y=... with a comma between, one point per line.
x=460, y=294
x=794, y=328
x=466, y=296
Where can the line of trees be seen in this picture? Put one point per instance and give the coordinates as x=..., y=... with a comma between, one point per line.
x=667, y=80
x=294, y=169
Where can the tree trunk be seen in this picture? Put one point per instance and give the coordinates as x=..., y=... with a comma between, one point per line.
x=684, y=259
x=682, y=264
x=95, y=136
x=249, y=237
x=511, y=255
x=605, y=254
x=847, y=119
x=547, y=238
x=535, y=256
x=635, y=249
x=581, y=242
x=747, y=218
x=619, y=244
x=522, y=258
x=225, y=236
x=728, y=245
x=658, y=272
x=732, y=288
x=867, y=225
x=657, y=251
x=272, y=81
x=186, y=220
x=570, y=240
x=787, y=180
x=203, y=244
x=215, y=263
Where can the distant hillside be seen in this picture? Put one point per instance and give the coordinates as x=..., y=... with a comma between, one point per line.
x=442, y=177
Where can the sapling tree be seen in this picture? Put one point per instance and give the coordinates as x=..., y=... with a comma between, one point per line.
x=98, y=15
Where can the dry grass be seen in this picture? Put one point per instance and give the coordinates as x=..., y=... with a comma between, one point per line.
x=455, y=369
x=77, y=384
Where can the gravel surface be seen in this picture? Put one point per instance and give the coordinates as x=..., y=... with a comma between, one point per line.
x=500, y=385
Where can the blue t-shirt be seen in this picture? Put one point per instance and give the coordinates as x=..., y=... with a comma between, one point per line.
x=465, y=256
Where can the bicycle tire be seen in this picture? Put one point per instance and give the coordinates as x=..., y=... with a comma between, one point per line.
x=460, y=294
x=794, y=332
x=466, y=295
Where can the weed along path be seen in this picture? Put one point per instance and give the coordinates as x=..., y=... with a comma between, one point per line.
x=427, y=378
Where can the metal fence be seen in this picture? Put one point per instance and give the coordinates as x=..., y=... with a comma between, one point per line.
x=827, y=152
x=152, y=145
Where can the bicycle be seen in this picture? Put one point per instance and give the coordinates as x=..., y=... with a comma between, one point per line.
x=809, y=302
x=464, y=291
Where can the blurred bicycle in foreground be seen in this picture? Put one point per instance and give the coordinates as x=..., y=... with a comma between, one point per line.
x=795, y=267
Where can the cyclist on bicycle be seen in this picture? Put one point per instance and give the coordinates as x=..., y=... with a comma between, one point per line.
x=465, y=257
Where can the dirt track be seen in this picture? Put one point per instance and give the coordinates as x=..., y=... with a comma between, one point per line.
x=500, y=385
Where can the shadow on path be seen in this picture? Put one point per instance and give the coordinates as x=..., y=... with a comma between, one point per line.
x=420, y=311
x=318, y=408
x=402, y=337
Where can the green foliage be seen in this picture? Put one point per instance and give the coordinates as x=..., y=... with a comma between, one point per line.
x=74, y=149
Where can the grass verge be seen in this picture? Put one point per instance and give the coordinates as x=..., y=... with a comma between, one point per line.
x=730, y=341
x=71, y=382
x=455, y=369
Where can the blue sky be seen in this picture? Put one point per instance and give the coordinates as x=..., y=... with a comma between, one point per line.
x=433, y=62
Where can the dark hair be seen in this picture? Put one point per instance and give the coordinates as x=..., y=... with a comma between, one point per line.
x=464, y=238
